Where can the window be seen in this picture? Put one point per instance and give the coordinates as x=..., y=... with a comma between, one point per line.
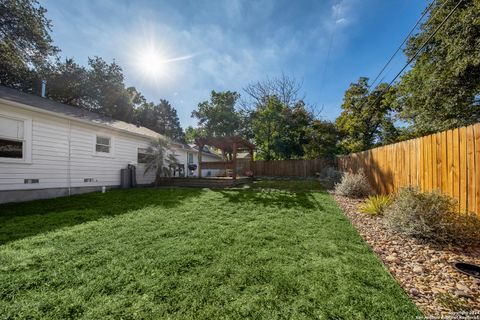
x=189, y=157
x=103, y=144
x=142, y=155
x=12, y=138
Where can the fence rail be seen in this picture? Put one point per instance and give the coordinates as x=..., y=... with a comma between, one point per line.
x=448, y=161
x=289, y=168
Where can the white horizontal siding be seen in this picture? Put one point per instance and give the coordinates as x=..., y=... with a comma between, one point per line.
x=51, y=138
x=50, y=141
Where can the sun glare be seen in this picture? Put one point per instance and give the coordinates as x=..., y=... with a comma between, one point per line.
x=156, y=61
x=151, y=63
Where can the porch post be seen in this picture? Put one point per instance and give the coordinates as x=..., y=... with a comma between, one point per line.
x=200, y=150
x=234, y=174
x=251, y=161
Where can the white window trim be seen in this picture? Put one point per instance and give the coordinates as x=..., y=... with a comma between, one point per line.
x=27, y=138
x=104, y=154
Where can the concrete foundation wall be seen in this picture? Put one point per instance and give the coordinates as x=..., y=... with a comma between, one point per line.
x=34, y=194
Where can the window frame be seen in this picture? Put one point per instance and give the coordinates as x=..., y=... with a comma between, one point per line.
x=146, y=153
x=26, y=141
x=109, y=154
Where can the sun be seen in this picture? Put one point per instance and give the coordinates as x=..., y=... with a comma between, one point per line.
x=151, y=63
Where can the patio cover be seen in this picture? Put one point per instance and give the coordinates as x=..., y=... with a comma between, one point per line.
x=226, y=144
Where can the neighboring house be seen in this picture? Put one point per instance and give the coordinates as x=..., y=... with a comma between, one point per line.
x=49, y=149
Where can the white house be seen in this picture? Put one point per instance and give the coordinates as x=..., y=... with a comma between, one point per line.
x=49, y=149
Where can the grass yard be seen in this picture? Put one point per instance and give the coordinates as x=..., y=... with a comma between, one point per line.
x=264, y=252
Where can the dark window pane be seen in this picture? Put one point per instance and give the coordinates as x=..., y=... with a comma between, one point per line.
x=11, y=149
x=103, y=140
x=101, y=148
x=143, y=155
x=142, y=158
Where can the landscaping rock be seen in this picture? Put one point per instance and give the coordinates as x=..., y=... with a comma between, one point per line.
x=392, y=259
x=425, y=271
x=417, y=269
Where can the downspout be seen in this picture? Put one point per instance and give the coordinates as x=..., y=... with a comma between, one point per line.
x=69, y=178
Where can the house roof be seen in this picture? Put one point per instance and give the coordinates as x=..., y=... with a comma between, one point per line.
x=13, y=95
x=205, y=150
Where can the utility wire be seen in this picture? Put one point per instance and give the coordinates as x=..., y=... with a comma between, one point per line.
x=329, y=51
x=418, y=51
x=403, y=42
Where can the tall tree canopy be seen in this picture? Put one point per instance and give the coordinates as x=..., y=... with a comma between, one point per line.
x=286, y=89
x=25, y=42
x=366, y=118
x=99, y=88
x=219, y=116
x=280, y=131
x=161, y=118
x=323, y=138
x=442, y=90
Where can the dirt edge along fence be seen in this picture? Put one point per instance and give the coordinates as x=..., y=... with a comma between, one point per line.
x=447, y=161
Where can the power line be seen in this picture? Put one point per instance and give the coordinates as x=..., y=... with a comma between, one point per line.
x=403, y=42
x=329, y=50
x=418, y=51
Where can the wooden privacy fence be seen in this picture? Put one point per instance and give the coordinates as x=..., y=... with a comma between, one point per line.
x=448, y=161
x=289, y=168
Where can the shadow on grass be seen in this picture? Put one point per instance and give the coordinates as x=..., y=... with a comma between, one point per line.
x=280, y=199
x=280, y=193
x=21, y=220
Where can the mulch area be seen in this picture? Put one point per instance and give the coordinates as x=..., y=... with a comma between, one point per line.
x=424, y=271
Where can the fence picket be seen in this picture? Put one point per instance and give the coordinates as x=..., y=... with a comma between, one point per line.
x=448, y=161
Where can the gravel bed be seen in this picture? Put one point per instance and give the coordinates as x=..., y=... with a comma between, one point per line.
x=424, y=271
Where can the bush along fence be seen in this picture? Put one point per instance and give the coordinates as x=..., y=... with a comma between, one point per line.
x=448, y=162
x=290, y=168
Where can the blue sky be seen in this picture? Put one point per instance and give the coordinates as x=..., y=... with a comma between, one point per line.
x=206, y=45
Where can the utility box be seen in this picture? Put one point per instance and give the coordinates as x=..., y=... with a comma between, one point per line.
x=125, y=178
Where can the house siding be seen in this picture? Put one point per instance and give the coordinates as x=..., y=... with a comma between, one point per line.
x=50, y=140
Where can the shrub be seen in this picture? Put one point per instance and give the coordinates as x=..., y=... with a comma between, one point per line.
x=375, y=205
x=329, y=176
x=431, y=216
x=354, y=185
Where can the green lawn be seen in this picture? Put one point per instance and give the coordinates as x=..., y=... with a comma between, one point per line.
x=252, y=253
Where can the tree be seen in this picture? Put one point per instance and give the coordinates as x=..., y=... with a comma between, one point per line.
x=107, y=90
x=279, y=131
x=67, y=83
x=366, y=116
x=192, y=133
x=267, y=128
x=323, y=138
x=219, y=117
x=99, y=88
x=25, y=42
x=161, y=118
x=285, y=88
x=159, y=157
x=168, y=122
x=442, y=89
